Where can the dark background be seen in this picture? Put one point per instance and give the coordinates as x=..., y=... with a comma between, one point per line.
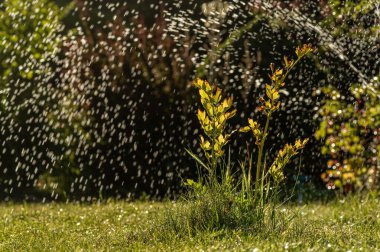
x=143, y=112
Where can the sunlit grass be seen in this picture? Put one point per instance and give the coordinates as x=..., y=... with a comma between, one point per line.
x=337, y=226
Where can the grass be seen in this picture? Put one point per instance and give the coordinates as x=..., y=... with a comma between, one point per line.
x=120, y=226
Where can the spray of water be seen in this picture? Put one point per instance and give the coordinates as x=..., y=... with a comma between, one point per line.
x=103, y=106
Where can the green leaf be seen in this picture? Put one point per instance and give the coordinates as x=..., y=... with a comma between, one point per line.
x=275, y=95
x=196, y=158
x=268, y=90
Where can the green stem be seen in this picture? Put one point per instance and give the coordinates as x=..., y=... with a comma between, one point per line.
x=213, y=157
x=249, y=170
x=291, y=67
x=260, y=156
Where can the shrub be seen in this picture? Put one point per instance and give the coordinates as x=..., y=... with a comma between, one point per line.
x=350, y=134
x=30, y=38
x=220, y=199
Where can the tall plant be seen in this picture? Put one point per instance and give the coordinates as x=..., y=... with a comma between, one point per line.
x=213, y=120
x=270, y=104
x=222, y=201
x=217, y=112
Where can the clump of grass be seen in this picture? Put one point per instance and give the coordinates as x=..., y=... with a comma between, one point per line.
x=218, y=208
x=219, y=200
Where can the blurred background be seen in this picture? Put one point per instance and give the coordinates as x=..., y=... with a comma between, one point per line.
x=96, y=96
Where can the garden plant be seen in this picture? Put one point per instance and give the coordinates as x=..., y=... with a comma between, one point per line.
x=350, y=133
x=222, y=198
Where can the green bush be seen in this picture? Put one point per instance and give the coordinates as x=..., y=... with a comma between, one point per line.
x=350, y=133
x=30, y=39
x=29, y=33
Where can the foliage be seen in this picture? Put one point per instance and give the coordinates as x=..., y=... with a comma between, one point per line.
x=213, y=121
x=350, y=133
x=346, y=18
x=218, y=201
x=268, y=107
x=30, y=39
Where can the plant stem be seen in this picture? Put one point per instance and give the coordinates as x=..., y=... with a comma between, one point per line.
x=260, y=156
x=249, y=170
x=213, y=157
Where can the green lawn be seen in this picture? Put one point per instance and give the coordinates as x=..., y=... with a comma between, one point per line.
x=120, y=226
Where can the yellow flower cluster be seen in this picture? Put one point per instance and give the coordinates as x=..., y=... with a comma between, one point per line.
x=213, y=119
x=283, y=157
